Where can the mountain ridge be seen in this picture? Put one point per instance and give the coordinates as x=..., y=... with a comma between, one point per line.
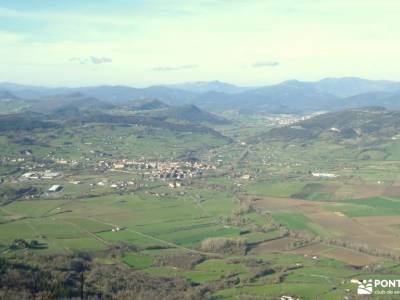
x=291, y=96
x=366, y=122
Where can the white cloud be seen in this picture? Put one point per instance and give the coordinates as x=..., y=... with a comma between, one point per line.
x=91, y=60
x=175, y=68
x=263, y=64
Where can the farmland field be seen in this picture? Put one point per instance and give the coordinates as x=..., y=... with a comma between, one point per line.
x=246, y=219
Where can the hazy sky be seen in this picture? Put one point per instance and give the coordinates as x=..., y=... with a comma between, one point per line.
x=247, y=42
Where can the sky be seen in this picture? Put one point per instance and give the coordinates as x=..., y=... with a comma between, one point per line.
x=148, y=42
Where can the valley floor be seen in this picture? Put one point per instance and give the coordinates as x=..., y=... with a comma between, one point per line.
x=252, y=222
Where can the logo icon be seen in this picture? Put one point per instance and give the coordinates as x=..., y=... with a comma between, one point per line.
x=365, y=287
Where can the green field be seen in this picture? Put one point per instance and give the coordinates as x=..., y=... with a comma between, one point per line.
x=162, y=230
x=377, y=206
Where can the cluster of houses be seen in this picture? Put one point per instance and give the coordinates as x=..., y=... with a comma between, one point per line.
x=324, y=175
x=62, y=161
x=174, y=170
x=117, y=185
x=12, y=160
x=288, y=119
x=47, y=174
x=174, y=184
x=285, y=297
x=29, y=164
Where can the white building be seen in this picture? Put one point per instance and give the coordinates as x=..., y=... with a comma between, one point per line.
x=324, y=175
x=55, y=188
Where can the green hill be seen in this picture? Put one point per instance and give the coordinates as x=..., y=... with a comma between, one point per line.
x=23, y=121
x=187, y=113
x=144, y=104
x=370, y=122
x=70, y=104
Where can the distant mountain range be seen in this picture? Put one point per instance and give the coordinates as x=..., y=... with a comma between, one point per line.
x=208, y=86
x=287, y=97
x=348, y=86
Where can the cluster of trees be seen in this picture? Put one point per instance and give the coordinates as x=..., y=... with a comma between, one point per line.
x=304, y=238
x=10, y=194
x=19, y=244
x=224, y=246
x=259, y=268
x=363, y=248
x=238, y=218
x=79, y=277
x=24, y=121
x=148, y=121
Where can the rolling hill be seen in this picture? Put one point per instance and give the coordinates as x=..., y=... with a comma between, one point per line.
x=25, y=121
x=7, y=95
x=107, y=93
x=282, y=98
x=68, y=104
x=187, y=113
x=9, y=103
x=385, y=99
x=148, y=121
x=351, y=86
x=143, y=104
x=121, y=94
x=369, y=122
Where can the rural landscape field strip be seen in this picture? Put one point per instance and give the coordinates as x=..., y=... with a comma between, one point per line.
x=254, y=213
x=153, y=238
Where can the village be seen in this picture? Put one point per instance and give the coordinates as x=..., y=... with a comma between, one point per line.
x=172, y=169
x=288, y=119
x=173, y=172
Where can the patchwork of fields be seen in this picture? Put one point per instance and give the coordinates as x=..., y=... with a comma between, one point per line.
x=259, y=224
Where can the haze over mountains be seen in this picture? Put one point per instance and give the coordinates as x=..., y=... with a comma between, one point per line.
x=208, y=86
x=291, y=96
